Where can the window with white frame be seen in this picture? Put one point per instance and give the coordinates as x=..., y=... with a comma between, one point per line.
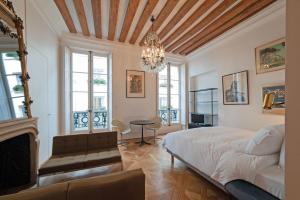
x=169, y=94
x=89, y=95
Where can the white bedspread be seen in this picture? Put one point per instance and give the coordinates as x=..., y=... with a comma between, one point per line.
x=203, y=147
x=216, y=151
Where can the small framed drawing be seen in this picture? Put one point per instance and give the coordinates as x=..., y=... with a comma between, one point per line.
x=135, y=84
x=235, y=88
x=279, y=91
x=270, y=57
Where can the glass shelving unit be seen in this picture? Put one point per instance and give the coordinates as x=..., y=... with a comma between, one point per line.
x=204, y=103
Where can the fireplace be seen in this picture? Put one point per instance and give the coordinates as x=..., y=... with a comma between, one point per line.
x=18, y=155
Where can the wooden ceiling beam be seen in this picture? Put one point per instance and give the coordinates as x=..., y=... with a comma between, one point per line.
x=64, y=11
x=130, y=13
x=177, y=17
x=81, y=17
x=237, y=9
x=250, y=11
x=113, y=18
x=143, y=19
x=207, y=20
x=164, y=13
x=96, y=7
x=198, y=13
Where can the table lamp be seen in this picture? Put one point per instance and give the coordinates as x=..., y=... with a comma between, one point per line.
x=269, y=101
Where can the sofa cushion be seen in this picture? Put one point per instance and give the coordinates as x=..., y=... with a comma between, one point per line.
x=102, y=140
x=123, y=185
x=69, y=144
x=93, y=159
x=51, y=192
x=62, y=164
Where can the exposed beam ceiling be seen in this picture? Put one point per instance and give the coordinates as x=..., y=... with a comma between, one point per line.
x=81, y=17
x=143, y=19
x=182, y=25
x=250, y=11
x=164, y=13
x=177, y=17
x=130, y=13
x=188, y=23
x=208, y=19
x=62, y=7
x=113, y=17
x=96, y=7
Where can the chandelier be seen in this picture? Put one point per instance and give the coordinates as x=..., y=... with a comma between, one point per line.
x=153, y=53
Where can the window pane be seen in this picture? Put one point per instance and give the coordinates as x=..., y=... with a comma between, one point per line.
x=11, y=63
x=174, y=101
x=80, y=62
x=80, y=101
x=174, y=73
x=100, y=64
x=100, y=83
x=15, y=85
x=174, y=87
x=163, y=74
x=163, y=86
x=163, y=102
x=80, y=82
x=100, y=101
x=19, y=106
x=174, y=112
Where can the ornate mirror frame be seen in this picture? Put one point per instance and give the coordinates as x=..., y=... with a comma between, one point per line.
x=8, y=21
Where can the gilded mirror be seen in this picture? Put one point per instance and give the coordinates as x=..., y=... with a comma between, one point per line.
x=14, y=93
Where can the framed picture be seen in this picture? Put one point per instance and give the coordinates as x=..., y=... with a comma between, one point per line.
x=135, y=84
x=235, y=88
x=270, y=57
x=279, y=91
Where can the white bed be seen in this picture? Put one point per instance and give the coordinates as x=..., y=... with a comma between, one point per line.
x=214, y=151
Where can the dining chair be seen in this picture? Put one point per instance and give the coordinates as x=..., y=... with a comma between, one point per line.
x=155, y=127
x=122, y=130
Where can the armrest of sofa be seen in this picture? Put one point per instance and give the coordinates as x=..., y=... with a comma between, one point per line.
x=122, y=185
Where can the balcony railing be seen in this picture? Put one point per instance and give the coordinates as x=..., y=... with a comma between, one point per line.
x=81, y=120
x=173, y=115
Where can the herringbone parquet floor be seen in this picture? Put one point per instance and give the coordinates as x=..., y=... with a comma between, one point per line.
x=167, y=182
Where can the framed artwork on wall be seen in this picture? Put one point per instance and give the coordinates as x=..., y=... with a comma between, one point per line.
x=135, y=84
x=270, y=57
x=235, y=88
x=279, y=92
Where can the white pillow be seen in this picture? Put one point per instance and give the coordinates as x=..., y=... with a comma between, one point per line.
x=282, y=156
x=267, y=141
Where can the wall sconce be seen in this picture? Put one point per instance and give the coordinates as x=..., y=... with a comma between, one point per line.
x=269, y=101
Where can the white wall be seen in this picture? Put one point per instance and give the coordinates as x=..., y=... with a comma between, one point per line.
x=124, y=57
x=235, y=51
x=204, y=80
x=42, y=64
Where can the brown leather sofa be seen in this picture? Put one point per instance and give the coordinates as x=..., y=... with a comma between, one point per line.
x=125, y=185
x=81, y=151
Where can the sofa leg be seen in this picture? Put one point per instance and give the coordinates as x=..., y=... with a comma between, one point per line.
x=172, y=160
x=38, y=181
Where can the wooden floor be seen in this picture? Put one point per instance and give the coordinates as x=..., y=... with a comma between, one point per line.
x=163, y=181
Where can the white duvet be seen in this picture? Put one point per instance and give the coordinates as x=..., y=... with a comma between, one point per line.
x=217, y=151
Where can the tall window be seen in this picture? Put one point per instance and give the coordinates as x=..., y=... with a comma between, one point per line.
x=89, y=91
x=11, y=89
x=169, y=94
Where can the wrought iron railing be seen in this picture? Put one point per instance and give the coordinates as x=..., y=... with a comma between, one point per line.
x=81, y=119
x=173, y=115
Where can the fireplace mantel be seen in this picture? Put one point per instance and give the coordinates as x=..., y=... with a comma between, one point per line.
x=14, y=128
